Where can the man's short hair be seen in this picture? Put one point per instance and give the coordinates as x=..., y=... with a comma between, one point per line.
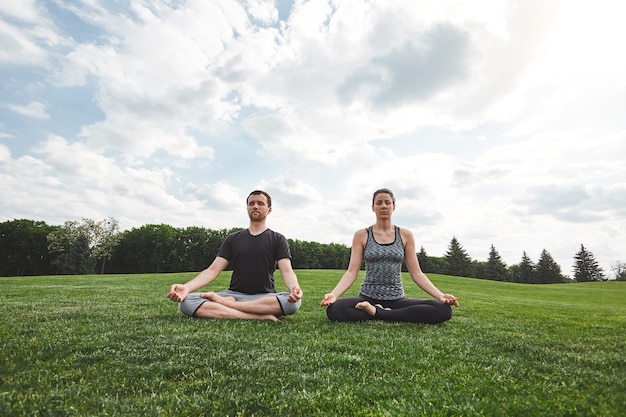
x=259, y=192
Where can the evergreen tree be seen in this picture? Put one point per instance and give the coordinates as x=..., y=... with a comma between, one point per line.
x=526, y=271
x=495, y=269
x=586, y=268
x=80, y=260
x=422, y=258
x=458, y=262
x=547, y=270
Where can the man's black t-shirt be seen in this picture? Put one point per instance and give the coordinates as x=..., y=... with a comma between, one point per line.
x=253, y=259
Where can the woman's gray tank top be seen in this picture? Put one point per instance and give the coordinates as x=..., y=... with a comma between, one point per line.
x=383, y=268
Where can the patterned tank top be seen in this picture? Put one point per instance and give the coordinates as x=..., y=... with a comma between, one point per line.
x=383, y=268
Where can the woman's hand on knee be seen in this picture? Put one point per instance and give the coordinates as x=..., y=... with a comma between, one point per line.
x=328, y=299
x=450, y=300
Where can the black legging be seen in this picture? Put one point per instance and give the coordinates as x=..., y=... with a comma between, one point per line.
x=412, y=310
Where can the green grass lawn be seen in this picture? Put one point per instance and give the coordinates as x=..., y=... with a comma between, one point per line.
x=114, y=345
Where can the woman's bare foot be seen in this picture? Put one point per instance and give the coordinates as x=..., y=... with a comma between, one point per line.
x=381, y=307
x=367, y=307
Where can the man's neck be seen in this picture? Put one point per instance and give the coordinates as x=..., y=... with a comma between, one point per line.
x=256, y=228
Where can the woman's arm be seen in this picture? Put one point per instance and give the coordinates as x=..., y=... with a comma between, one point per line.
x=416, y=273
x=351, y=274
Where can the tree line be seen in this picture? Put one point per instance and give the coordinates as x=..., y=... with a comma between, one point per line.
x=30, y=247
x=457, y=261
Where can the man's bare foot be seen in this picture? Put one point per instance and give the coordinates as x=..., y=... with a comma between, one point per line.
x=215, y=297
x=271, y=317
x=367, y=307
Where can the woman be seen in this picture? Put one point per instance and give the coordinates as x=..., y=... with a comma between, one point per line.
x=383, y=246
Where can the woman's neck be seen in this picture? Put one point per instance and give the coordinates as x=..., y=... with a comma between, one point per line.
x=384, y=225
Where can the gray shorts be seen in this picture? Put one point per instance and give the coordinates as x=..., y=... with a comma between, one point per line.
x=193, y=301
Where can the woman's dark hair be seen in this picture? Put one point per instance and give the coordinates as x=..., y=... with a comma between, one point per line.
x=385, y=191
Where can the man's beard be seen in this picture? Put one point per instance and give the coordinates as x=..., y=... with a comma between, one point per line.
x=258, y=218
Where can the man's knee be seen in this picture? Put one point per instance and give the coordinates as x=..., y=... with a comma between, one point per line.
x=191, y=304
x=286, y=307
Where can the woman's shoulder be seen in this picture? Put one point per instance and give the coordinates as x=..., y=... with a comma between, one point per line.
x=360, y=236
x=405, y=233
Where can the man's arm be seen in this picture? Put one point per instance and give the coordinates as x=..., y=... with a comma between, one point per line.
x=178, y=292
x=290, y=280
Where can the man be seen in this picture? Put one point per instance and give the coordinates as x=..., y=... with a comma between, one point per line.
x=253, y=254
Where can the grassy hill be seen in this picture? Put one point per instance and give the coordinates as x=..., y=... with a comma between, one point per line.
x=114, y=345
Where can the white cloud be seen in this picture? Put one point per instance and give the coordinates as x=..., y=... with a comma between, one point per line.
x=18, y=48
x=262, y=11
x=5, y=153
x=33, y=109
x=74, y=181
x=28, y=36
x=296, y=193
x=24, y=10
x=158, y=82
x=219, y=196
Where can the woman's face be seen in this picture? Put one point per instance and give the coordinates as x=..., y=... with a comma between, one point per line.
x=383, y=205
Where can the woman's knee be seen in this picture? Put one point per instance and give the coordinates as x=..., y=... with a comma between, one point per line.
x=331, y=313
x=445, y=311
x=338, y=312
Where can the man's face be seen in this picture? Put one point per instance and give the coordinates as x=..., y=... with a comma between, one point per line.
x=258, y=208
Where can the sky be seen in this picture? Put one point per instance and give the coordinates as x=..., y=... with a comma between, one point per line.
x=496, y=122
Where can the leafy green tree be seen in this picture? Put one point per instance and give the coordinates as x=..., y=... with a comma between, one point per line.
x=619, y=271
x=151, y=248
x=101, y=238
x=313, y=255
x=525, y=273
x=437, y=265
x=299, y=254
x=105, y=235
x=24, y=248
x=547, y=270
x=586, y=268
x=162, y=248
x=197, y=246
x=336, y=256
x=458, y=262
x=479, y=269
x=496, y=268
